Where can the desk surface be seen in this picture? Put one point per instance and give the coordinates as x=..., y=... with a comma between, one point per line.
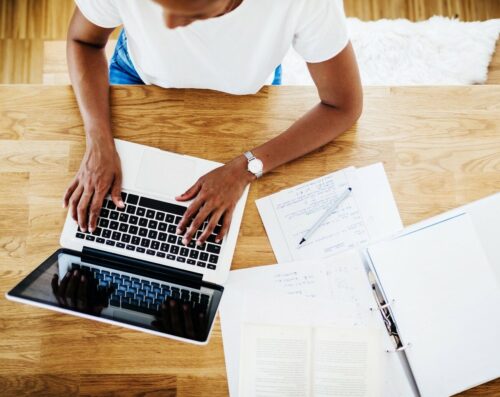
x=440, y=148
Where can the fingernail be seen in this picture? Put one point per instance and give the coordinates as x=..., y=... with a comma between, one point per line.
x=84, y=229
x=178, y=231
x=184, y=241
x=91, y=229
x=217, y=240
x=63, y=205
x=199, y=243
x=82, y=279
x=75, y=272
x=121, y=204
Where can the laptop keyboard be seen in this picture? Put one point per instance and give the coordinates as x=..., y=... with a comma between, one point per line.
x=148, y=226
x=141, y=295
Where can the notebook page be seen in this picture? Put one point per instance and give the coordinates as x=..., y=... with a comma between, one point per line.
x=446, y=304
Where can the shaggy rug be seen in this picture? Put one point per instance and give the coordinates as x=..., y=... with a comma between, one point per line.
x=438, y=51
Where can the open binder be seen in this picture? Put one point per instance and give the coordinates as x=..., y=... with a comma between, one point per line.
x=436, y=285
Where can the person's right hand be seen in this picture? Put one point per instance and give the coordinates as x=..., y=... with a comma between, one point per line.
x=100, y=172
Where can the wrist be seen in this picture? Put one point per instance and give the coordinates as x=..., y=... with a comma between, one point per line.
x=101, y=140
x=240, y=164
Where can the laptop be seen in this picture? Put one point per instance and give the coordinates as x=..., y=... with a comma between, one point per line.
x=133, y=270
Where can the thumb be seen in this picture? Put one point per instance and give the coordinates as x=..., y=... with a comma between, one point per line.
x=190, y=193
x=116, y=189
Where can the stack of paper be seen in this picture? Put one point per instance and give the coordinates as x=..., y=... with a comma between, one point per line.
x=368, y=214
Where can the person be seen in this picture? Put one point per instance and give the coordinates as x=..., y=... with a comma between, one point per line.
x=231, y=46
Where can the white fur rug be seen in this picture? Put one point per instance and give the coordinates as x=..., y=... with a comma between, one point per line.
x=399, y=52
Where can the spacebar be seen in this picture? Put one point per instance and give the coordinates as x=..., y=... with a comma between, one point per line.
x=162, y=206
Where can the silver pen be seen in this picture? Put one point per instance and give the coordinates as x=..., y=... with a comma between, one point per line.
x=326, y=214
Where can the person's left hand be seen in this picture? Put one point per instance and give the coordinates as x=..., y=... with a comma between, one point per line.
x=215, y=196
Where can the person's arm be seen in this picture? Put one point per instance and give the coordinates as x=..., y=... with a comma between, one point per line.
x=341, y=101
x=100, y=169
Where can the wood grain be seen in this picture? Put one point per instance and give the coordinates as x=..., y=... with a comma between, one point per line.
x=440, y=147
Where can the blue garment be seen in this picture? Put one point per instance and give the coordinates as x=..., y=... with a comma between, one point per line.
x=122, y=70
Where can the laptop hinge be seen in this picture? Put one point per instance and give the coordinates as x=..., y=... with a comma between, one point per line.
x=141, y=267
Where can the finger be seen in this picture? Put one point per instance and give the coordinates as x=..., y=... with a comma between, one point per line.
x=226, y=222
x=173, y=308
x=200, y=320
x=202, y=215
x=74, y=200
x=165, y=316
x=190, y=193
x=83, y=206
x=214, y=219
x=55, y=288
x=95, y=208
x=116, y=191
x=69, y=191
x=190, y=212
x=81, y=294
x=62, y=288
x=70, y=293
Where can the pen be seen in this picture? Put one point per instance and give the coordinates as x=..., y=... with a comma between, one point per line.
x=327, y=213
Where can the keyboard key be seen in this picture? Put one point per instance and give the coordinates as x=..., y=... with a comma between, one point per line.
x=211, y=267
x=80, y=235
x=152, y=224
x=178, y=219
x=136, y=240
x=116, y=236
x=217, y=229
x=162, y=227
x=110, y=242
x=143, y=222
x=115, y=301
x=97, y=232
x=164, y=247
x=121, y=209
x=170, y=218
x=124, y=196
x=131, y=209
x=179, y=241
x=140, y=211
x=155, y=245
x=114, y=215
x=171, y=257
x=104, y=213
x=191, y=262
x=132, y=199
x=106, y=233
x=162, y=236
x=120, y=245
x=160, y=216
x=90, y=237
x=213, y=258
x=100, y=240
x=140, y=249
x=193, y=254
x=172, y=239
x=113, y=225
x=110, y=205
x=162, y=206
x=211, y=239
x=103, y=223
x=133, y=229
x=174, y=249
x=143, y=232
x=172, y=229
x=203, y=256
x=201, y=264
x=181, y=259
x=130, y=247
x=126, y=238
x=150, y=214
x=214, y=249
x=153, y=234
x=151, y=252
x=160, y=254
x=184, y=252
x=123, y=217
x=145, y=243
x=133, y=220
x=123, y=228
x=192, y=244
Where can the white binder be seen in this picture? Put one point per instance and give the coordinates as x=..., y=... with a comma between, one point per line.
x=437, y=285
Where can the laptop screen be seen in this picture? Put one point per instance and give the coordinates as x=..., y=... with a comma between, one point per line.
x=172, y=307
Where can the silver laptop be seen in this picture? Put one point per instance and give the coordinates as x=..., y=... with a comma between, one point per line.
x=133, y=270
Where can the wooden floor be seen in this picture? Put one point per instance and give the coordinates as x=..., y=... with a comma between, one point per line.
x=26, y=24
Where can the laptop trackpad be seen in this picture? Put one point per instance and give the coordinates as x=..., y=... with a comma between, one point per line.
x=165, y=174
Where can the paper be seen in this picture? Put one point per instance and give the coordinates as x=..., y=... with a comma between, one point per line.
x=309, y=361
x=446, y=304
x=368, y=213
x=340, y=295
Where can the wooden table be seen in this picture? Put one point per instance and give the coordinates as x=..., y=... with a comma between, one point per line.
x=440, y=148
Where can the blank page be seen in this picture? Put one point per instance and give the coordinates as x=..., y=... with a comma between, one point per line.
x=446, y=304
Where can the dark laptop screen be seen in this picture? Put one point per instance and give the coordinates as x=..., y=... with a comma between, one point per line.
x=66, y=281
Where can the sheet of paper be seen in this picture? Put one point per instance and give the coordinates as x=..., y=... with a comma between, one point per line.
x=445, y=294
x=341, y=296
x=309, y=361
x=368, y=213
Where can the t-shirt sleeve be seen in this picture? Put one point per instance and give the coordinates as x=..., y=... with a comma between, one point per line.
x=103, y=13
x=321, y=32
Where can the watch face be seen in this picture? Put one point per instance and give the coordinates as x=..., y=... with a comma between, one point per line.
x=255, y=166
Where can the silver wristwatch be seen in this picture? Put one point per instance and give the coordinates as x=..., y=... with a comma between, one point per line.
x=255, y=166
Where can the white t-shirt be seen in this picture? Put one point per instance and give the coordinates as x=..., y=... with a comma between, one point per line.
x=234, y=53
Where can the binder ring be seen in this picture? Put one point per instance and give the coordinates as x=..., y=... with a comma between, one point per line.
x=399, y=349
x=380, y=307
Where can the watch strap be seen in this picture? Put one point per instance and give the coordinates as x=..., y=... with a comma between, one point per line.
x=249, y=155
